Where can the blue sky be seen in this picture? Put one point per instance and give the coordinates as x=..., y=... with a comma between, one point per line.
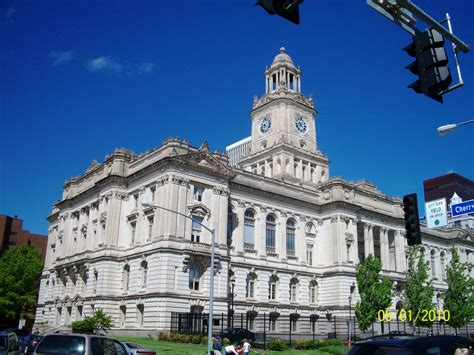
x=80, y=78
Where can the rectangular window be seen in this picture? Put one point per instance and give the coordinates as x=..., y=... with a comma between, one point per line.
x=273, y=324
x=135, y=201
x=309, y=254
x=151, y=220
x=251, y=289
x=249, y=235
x=197, y=193
x=133, y=230
x=293, y=293
x=312, y=294
x=272, y=294
x=196, y=229
x=294, y=324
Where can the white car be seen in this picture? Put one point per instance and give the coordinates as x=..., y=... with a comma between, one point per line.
x=137, y=349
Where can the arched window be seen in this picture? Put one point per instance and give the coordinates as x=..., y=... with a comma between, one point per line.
x=194, y=277
x=270, y=233
x=290, y=237
x=249, y=230
x=126, y=278
x=313, y=292
x=250, y=291
x=272, y=288
x=433, y=263
x=310, y=230
x=143, y=273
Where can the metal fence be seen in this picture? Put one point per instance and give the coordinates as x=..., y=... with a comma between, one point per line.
x=268, y=326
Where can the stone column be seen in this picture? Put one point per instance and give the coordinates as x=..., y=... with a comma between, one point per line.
x=400, y=251
x=367, y=250
x=172, y=205
x=338, y=242
x=238, y=236
x=384, y=252
x=113, y=218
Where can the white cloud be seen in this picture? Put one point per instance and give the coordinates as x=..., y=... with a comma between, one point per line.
x=61, y=57
x=107, y=64
x=144, y=68
x=104, y=64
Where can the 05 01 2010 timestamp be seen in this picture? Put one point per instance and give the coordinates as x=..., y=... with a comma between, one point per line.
x=425, y=315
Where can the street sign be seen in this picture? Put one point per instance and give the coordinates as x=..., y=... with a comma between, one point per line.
x=465, y=207
x=436, y=215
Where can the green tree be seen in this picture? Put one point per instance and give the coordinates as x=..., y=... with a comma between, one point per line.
x=97, y=323
x=375, y=292
x=419, y=291
x=20, y=271
x=459, y=298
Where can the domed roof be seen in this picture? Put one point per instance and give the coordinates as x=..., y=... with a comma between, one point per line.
x=282, y=57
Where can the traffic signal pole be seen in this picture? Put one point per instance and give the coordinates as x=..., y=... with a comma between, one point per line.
x=431, y=22
x=403, y=13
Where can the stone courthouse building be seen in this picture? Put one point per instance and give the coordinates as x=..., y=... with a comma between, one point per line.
x=288, y=236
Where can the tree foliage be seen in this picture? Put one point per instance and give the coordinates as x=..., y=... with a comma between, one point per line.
x=97, y=323
x=375, y=292
x=459, y=298
x=419, y=291
x=20, y=271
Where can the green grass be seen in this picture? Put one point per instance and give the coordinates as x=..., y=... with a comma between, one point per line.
x=166, y=347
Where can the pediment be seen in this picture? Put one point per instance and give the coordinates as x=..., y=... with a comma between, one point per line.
x=206, y=161
x=198, y=209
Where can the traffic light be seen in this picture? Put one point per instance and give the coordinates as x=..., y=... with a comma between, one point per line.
x=412, y=221
x=431, y=64
x=288, y=9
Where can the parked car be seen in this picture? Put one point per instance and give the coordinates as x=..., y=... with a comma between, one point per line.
x=237, y=334
x=29, y=342
x=411, y=345
x=137, y=349
x=79, y=344
x=9, y=344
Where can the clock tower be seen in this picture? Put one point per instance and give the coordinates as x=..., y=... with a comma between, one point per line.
x=283, y=141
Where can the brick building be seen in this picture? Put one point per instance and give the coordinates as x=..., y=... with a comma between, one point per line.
x=12, y=234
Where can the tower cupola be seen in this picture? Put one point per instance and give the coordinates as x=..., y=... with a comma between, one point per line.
x=282, y=74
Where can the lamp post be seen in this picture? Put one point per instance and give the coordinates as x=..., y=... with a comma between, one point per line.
x=211, y=282
x=352, y=288
x=444, y=130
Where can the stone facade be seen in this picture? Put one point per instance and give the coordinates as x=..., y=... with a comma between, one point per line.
x=288, y=237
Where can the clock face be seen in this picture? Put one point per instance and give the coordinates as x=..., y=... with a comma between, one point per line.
x=265, y=124
x=300, y=124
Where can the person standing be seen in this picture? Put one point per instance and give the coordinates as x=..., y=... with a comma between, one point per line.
x=217, y=346
x=246, y=347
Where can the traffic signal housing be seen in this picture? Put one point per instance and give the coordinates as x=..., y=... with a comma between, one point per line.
x=431, y=64
x=412, y=220
x=288, y=9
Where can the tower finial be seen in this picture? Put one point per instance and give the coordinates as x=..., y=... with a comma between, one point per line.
x=282, y=50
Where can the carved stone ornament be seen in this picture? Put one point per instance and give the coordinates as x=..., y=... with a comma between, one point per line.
x=320, y=221
x=241, y=203
x=334, y=219
x=327, y=194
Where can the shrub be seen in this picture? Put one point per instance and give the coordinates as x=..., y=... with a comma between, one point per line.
x=164, y=336
x=196, y=339
x=174, y=337
x=182, y=338
x=225, y=341
x=96, y=323
x=330, y=342
x=277, y=345
x=204, y=340
x=334, y=349
x=301, y=344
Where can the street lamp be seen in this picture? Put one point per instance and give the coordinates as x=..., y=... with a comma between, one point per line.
x=444, y=130
x=211, y=282
x=352, y=289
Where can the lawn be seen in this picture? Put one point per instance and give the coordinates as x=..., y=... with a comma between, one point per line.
x=165, y=347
